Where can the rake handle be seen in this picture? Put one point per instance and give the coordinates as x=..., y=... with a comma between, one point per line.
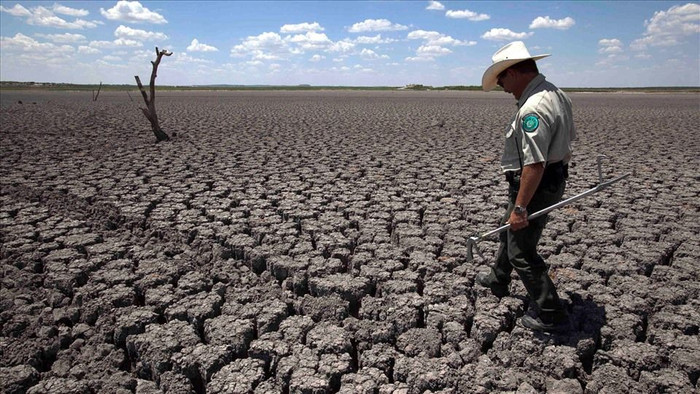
x=560, y=204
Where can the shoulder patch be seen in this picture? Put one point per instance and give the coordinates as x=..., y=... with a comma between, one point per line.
x=531, y=122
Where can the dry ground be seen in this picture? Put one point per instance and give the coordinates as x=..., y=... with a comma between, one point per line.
x=315, y=243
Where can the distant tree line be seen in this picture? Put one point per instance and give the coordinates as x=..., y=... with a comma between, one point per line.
x=89, y=87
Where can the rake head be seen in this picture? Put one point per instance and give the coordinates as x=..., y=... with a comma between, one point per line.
x=471, y=246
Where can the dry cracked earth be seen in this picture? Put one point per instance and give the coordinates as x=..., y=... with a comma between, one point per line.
x=316, y=243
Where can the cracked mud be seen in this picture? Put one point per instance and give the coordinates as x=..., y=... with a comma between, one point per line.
x=315, y=243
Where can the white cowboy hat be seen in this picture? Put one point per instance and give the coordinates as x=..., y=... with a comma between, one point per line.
x=512, y=53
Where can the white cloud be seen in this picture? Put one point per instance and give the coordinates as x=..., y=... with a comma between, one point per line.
x=61, y=9
x=612, y=60
x=435, y=6
x=136, y=34
x=362, y=69
x=499, y=34
x=272, y=46
x=141, y=55
x=132, y=11
x=612, y=49
x=374, y=40
x=86, y=50
x=42, y=16
x=678, y=19
x=369, y=54
x=119, y=42
x=610, y=42
x=342, y=46
x=431, y=37
x=612, y=45
x=641, y=44
x=125, y=42
x=20, y=42
x=111, y=58
x=310, y=40
x=423, y=35
x=185, y=58
x=419, y=59
x=376, y=25
x=316, y=58
x=265, y=46
x=197, y=46
x=432, y=50
x=65, y=38
x=434, y=44
x=670, y=27
x=466, y=14
x=301, y=28
x=260, y=55
x=17, y=10
x=545, y=22
x=436, y=38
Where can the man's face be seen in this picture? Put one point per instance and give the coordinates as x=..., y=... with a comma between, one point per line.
x=503, y=80
x=512, y=82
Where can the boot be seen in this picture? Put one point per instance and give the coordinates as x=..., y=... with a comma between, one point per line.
x=486, y=279
x=549, y=322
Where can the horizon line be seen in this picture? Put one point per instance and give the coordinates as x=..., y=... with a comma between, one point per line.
x=35, y=84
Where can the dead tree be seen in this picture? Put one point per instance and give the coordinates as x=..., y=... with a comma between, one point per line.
x=94, y=96
x=150, y=110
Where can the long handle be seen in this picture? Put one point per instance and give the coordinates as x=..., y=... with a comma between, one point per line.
x=560, y=204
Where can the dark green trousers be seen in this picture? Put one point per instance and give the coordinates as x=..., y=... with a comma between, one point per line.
x=518, y=250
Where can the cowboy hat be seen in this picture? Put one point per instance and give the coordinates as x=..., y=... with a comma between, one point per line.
x=510, y=54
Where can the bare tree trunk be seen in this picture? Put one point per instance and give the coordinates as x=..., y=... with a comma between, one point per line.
x=150, y=110
x=94, y=96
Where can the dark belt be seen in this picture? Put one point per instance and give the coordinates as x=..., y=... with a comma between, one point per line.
x=553, y=173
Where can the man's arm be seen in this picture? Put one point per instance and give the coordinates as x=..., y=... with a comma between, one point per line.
x=529, y=180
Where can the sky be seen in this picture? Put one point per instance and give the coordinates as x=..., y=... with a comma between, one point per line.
x=347, y=43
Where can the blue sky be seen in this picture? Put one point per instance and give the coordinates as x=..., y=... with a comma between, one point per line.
x=351, y=43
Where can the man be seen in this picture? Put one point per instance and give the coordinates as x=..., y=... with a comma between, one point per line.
x=535, y=162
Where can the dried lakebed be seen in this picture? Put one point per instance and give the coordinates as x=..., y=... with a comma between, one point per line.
x=314, y=242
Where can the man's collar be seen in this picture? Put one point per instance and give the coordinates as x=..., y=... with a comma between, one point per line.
x=530, y=88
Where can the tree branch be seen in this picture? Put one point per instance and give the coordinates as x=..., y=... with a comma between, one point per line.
x=143, y=91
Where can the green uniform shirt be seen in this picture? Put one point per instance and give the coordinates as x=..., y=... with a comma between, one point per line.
x=543, y=128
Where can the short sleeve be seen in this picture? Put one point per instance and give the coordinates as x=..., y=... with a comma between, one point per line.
x=536, y=137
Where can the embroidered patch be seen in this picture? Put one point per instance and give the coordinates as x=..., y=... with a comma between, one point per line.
x=531, y=122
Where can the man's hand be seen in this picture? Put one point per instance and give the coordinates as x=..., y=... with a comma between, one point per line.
x=529, y=180
x=518, y=221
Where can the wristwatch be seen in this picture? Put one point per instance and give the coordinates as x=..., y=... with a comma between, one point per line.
x=519, y=209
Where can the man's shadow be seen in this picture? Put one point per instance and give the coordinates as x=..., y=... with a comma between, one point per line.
x=587, y=319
